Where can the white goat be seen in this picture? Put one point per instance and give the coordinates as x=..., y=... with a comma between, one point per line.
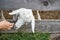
x=25, y=16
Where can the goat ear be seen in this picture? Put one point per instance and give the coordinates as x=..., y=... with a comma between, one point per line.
x=10, y=13
x=15, y=12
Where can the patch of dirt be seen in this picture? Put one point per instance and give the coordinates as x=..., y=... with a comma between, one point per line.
x=6, y=14
x=55, y=37
x=48, y=14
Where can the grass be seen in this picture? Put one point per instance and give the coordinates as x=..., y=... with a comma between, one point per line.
x=25, y=36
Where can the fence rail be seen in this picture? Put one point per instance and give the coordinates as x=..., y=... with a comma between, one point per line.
x=46, y=26
x=32, y=4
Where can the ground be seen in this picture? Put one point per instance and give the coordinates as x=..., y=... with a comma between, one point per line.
x=25, y=36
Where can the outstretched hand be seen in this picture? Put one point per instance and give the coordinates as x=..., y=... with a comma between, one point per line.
x=5, y=25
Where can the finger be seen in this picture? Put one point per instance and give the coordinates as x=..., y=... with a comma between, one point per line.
x=4, y=29
x=11, y=24
x=9, y=28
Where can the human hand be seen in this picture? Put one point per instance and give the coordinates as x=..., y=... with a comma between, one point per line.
x=5, y=25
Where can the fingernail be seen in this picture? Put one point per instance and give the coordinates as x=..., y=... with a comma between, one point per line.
x=9, y=28
x=11, y=24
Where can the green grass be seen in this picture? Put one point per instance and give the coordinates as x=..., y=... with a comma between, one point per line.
x=25, y=36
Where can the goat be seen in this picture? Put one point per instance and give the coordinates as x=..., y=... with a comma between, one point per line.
x=24, y=16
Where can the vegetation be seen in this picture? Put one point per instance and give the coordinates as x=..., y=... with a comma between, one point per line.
x=25, y=36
